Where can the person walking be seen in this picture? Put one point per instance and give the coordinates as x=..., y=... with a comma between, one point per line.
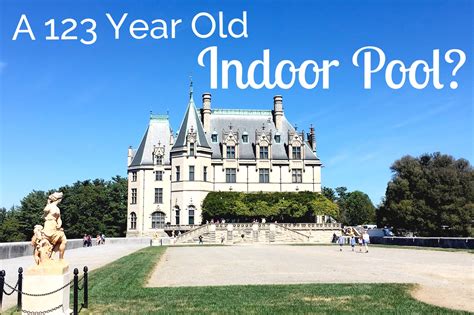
x=102, y=238
x=340, y=241
x=200, y=239
x=353, y=242
x=222, y=238
x=360, y=243
x=84, y=241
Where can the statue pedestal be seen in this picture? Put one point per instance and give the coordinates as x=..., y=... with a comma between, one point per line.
x=46, y=278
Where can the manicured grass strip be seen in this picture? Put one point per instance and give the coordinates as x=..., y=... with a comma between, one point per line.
x=118, y=289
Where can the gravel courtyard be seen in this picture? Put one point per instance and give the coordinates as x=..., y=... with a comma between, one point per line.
x=445, y=278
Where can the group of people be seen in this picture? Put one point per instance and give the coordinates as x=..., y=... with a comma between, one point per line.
x=87, y=240
x=363, y=241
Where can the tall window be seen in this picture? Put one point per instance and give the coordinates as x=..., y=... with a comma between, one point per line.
x=134, y=196
x=230, y=175
x=264, y=175
x=296, y=175
x=178, y=174
x=159, y=175
x=157, y=220
x=158, y=195
x=191, y=149
x=264, y=152
x=191, y=173
x=133, y=221
x=191, y=215
x=159, y=160
x=231, y=151
x=297, y=153
x=134, y=176
x=177, y=216
x=205, y=174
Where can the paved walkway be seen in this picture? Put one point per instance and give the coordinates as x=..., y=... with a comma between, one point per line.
x=445, y=278
x=92, y=257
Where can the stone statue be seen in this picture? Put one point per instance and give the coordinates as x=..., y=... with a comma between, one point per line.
x=49, y=238
x=48, y=274
x=42, y=248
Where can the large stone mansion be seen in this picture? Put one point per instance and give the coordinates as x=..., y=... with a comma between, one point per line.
x=215, y=150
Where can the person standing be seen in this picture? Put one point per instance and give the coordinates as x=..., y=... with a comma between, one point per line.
x=200, y=239
x=84, y=241
x=222, y=238
x=102, y=238
x=366, y=241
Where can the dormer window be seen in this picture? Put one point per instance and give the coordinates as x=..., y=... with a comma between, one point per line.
x=159, y=160
x=277, y=138
x=245, y=138
x=191, y=149
x=297, y=153
x=264, y=152
x=214, y=137
x=231, y=151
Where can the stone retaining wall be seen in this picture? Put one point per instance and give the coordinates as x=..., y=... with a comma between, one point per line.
x=18, y=249
x=444, y=242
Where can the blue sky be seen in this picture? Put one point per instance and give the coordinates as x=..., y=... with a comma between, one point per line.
x=70, y=111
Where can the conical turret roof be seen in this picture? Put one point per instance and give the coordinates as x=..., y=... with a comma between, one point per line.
x=192, y=122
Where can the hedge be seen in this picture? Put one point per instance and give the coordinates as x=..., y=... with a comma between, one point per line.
x=273, y=206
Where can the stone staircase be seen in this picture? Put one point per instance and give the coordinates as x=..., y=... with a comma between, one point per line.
x=192, y=236
x=243, y=233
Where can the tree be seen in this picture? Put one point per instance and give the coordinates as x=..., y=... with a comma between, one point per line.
x=357, y=209
x=10, y=226
x=341, y=193
x=430, y=195
x=30, y=212
x=90, y=206
x=329, y=193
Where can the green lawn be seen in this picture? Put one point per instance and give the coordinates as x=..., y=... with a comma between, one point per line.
x=118, y=289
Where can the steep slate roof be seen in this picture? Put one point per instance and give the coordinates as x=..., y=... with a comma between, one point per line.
x=191, y=120
x=249, y=121
x=158, y=131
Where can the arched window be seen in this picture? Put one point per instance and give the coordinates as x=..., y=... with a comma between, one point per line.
x=133, y=221
x=157, y=220
x=191, y=211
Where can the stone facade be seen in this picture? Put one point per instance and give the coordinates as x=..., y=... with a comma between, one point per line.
x=169, y=174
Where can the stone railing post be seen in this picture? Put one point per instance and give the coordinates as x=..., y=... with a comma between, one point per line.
x=230, y=232
x=255, y=232
x=212, y=233
x=272, y=232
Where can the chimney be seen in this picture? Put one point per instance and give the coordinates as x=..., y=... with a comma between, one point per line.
x=130, y=155
x=278, y=111
x=312, y=138
x=206, y=112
